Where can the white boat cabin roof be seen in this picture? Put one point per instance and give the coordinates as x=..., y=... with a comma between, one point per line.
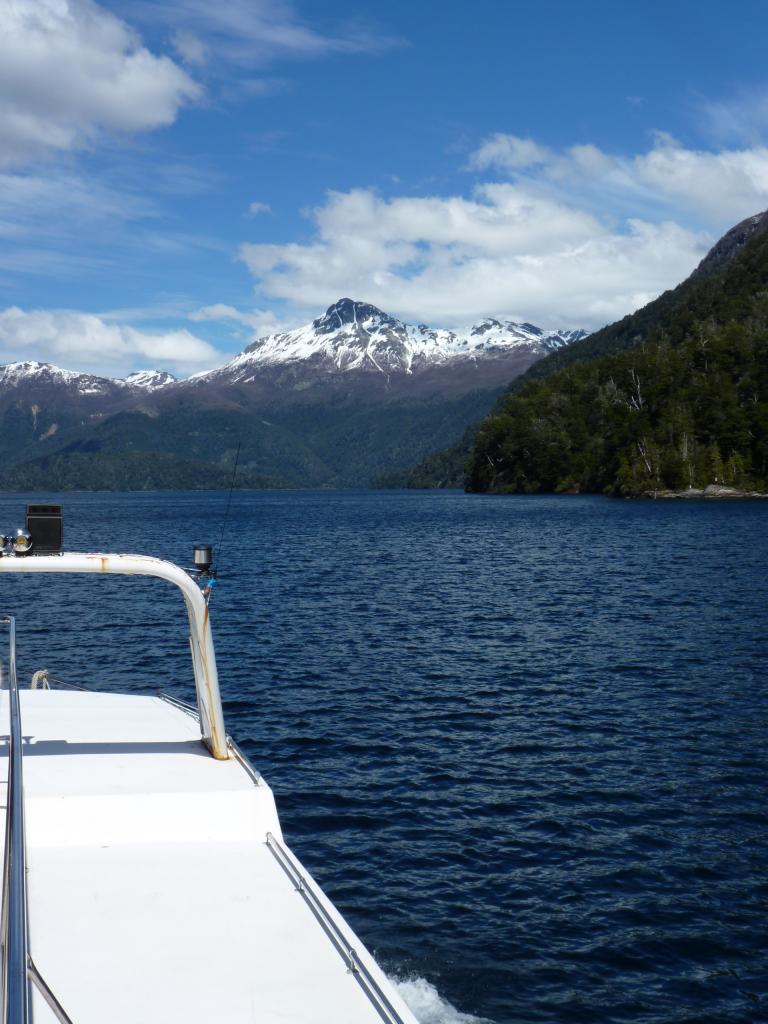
x=153, y=895
x=159, y=886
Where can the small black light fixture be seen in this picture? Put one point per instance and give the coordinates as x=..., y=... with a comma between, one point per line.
x=203, y=558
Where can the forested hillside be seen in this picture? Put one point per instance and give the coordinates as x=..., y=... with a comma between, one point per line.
x=135, y=471
x=687, y=406
x=725, y=291
x=672, y=308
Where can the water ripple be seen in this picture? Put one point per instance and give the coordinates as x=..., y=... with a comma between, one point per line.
x=520, y=742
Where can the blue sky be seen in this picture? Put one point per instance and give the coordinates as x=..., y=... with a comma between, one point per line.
x=176, y=178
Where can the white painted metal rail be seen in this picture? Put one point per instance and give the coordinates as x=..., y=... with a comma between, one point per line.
x=201, y=639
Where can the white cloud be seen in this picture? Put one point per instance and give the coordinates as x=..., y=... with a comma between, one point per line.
x=505, y=251
x=259, y=87
x=253, y=33
x=576, y=237
x=724, y=187
x=190, y=47
x=258, y=321
x=65, y=204
x=509, y=152
x=720, y=187
x=83, y=341
x=49, y=223
x=221, y=311
x=742, y=118
x=256, y=208
x=70, y=70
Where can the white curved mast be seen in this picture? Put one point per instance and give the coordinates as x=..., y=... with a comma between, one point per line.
x=200, y=637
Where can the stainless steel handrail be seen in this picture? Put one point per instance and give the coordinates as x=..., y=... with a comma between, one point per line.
x=15, y=944
x=18, y=968
x=355, y=965
x=177, y=702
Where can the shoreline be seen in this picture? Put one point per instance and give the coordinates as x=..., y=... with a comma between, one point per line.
x=712, y=492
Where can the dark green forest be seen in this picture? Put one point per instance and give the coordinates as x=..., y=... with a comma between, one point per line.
x=336, y=444
x=137, y=471
x=673, y=396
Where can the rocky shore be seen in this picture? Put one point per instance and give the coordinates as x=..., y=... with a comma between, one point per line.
x=711, y=491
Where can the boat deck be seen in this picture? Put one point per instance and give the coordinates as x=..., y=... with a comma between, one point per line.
x=153, y=895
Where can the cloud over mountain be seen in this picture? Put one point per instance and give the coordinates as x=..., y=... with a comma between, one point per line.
x=82, y=339
x=574, y=236
x=507, y=249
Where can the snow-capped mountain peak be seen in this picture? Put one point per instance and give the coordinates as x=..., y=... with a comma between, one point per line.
x=41, y=374
x=149, y=379
x=354, y=335
x=31, y=371
x=31, y=368
x=349, y=312
x=509, y=333
x=349, y=336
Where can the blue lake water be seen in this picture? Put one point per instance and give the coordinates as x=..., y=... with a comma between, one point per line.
x=520, y=741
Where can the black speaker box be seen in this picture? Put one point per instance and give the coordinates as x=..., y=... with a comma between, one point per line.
x=46, y=524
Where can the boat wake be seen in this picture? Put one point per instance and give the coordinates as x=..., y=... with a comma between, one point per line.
x=428, y=1006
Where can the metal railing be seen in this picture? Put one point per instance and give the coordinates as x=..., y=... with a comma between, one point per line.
x=15, y=940
x=355, y=965
x=182, y=705
x=200, y=636
x=18, y=969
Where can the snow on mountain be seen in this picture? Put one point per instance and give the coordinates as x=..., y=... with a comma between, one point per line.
x=33, y=372
x=349, y=336
x=149, y=379
x=355, y=335
x=490, y=334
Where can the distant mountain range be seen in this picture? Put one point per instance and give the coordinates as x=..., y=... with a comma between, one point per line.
x=45, y=377
x=354, y=337
x=334, y=403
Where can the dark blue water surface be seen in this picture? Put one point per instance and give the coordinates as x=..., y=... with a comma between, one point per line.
x=520, y=741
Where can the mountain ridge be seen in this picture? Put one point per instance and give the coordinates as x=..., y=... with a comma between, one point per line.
x=350, y=336
x=24, y=371
x=333, y=403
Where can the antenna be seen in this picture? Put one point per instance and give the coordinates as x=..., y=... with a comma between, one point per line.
x=229, y=502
